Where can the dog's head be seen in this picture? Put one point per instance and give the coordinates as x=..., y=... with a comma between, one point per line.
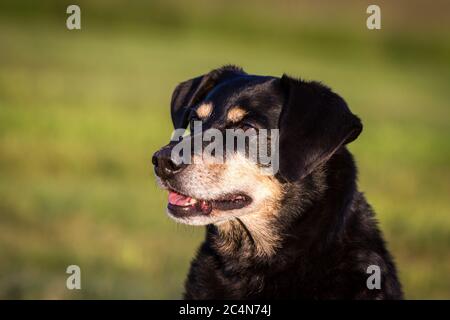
x=313, y=123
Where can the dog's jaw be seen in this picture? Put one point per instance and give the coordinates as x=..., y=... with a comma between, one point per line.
x=208, y=181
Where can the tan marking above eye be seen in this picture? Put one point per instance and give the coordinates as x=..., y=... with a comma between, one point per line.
x=204, y=110
x=236, y=114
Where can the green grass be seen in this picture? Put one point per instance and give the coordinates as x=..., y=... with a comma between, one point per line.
x=82, y=112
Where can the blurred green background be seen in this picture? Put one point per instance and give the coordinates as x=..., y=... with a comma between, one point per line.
x=81, y=113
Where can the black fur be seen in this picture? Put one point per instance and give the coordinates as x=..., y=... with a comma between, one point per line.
x=328, y=230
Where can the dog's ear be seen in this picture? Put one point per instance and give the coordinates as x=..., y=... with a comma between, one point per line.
x=190, y=92
x=314, y=123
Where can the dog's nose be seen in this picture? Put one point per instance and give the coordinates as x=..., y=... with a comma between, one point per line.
x=164, y=166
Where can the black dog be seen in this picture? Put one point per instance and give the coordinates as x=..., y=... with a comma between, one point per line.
x=303, y=232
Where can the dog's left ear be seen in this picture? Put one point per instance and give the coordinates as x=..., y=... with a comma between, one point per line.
x=314, y=123
x=191, y=92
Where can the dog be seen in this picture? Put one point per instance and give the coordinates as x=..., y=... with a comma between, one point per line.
x=303, y=232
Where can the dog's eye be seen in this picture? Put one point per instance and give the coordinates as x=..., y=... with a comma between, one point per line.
x=193, y=115
x=194, y=118
x=246, y=126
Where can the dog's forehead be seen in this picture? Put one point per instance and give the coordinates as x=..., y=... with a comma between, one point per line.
x=246, y=95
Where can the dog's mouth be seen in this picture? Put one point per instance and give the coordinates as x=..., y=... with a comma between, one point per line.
x=181, y=205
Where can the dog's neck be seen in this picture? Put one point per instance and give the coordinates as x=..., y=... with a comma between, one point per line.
x=251, y=236
x=311, y=209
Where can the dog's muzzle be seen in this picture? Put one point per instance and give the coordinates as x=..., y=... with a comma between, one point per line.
x=165, y=168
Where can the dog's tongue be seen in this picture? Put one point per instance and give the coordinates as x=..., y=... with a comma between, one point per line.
x=189, y=203
x=180, y=200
